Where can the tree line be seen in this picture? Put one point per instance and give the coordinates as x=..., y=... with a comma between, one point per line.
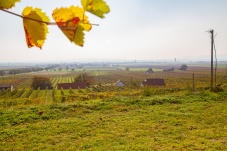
x=42, y=82
x=19, y=71
x=15, y=71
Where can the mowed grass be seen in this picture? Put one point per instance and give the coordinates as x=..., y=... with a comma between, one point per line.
x=168, y=122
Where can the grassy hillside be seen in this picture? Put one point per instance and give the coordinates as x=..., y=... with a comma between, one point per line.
x=176, y=121
x=106, y=117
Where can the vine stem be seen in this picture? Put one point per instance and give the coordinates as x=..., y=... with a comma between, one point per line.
x=40, y=21
x=48, y=23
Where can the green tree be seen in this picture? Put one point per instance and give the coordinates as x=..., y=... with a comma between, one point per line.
x=183, y=67
x=41, y=82
x=67, y=68
x=2, y=72
x=84, y=77
x=150, y=70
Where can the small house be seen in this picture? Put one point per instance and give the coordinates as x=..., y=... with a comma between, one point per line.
x=119, y=83
x=150, y=70
x=76, y=85
x=4, y=87
x=153, y=82
x=168, y=70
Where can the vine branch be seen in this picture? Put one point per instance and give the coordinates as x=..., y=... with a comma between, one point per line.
x=40, y=21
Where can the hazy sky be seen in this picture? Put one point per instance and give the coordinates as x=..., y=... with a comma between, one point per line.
x=133, y=30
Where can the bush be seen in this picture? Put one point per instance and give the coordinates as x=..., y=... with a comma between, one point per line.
x=183, y=67
x=41, y=82
x=147, y=91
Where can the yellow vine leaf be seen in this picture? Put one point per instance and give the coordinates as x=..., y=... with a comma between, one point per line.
x=72, y=21
x=96, y=7
x=7, y=4
x=35, y=31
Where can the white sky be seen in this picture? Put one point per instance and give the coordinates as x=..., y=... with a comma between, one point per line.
x=133, y=30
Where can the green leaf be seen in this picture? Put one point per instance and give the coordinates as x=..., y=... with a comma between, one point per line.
x=96, y=7
x=7, y=4
x=35, y=30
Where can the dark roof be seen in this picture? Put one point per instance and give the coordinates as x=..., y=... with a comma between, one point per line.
x=5, y=85
x=154, y=82
x=76, y=85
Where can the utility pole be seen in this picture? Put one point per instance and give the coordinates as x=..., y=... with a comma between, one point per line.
x=212, y=65
x=226, y=73
x=193, y=83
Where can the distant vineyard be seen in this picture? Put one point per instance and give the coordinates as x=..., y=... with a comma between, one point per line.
x=29, y=96
x=60, y=79
x=103, y=87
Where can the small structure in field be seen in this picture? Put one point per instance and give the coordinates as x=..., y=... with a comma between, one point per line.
x=153, y=82
x=76, y=85
x=119, y=83
x=168, y=70
x=4, y=87
x=150, y=70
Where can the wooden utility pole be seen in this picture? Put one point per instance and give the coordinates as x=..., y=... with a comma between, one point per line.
x=193, y=83
x=212, y=65
x=226, y=73
x=131, y=81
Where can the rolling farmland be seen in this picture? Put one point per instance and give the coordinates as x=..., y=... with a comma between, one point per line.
x=103, y=87
x=107, y=117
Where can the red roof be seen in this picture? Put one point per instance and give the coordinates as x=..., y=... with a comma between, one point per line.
x=76, y=85
x=153, y=82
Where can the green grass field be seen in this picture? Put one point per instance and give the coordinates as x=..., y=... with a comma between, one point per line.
x=180, y=121
x=104, y=117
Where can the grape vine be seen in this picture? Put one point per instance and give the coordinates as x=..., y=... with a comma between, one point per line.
x=72, y=20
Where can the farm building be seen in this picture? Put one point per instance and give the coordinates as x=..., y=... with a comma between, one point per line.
x=150, y=70
x=76, y=85
x=153, y=82
x=4, y=87
x=168, y=70
x=119, y=83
